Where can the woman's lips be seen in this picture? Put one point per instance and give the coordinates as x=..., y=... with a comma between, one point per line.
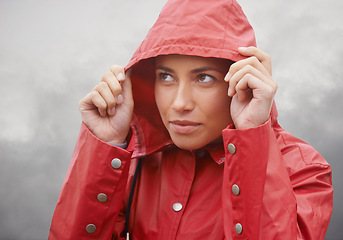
x=184, y=126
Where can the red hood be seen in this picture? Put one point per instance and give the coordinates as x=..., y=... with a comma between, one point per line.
x=202, y=28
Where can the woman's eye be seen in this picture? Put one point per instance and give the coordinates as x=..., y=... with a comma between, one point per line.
x=205, y=78
x=165, y=77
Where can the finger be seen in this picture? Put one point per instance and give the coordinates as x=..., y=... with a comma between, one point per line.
x=92, y=101
x=263, y=57
x=104, y=90
x=257, y=88
x=127, y=88
x=247, y=83
x=247, y=69
x=252, y=61
x=114, y=86
x=118, y=72
x=125, y=80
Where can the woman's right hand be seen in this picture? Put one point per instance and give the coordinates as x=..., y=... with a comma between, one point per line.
x=107, y=109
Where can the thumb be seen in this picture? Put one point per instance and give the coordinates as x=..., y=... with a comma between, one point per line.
x=125, y=82
x=127, y=87
x=263, y=57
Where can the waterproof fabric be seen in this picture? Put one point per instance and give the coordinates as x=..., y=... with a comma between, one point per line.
x=285, y=189
x=202, y=28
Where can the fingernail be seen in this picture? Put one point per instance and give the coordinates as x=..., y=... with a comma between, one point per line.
x=243, y=48
x=121, y=76
x=227, y=76
x=120, y=99
x=113, y=110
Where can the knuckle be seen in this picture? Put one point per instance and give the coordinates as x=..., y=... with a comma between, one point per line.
x=116, y=68
x=276, y=87
x=254, y=59
x=267, y=92
x=102, y=105
x=85, y=98
x=116, y=90
x=81, y=103
x=102, y=86
x=98, y=100
x=267, y=57
x=248, y=76
x=270, y=90
x=93, y=95
x=107, y=75
x=111, y=101
x=233, y=67
x=110, y=107
x=248, y=68
x=233, y=81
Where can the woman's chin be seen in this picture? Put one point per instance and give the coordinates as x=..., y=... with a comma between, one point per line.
x=190, y=144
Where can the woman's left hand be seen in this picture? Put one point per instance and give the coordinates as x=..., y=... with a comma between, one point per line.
x=252, y=88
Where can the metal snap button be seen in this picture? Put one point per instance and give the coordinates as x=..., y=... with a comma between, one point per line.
x=231, y=148
x=91, y=228
x=239, y=228
x=102, y=197
x=235, y=189
x=177, y=207
x=116, y=163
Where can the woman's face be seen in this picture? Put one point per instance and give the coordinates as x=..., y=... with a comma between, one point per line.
x=192, y=99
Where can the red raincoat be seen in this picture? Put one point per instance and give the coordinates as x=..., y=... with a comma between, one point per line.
x=261, y=183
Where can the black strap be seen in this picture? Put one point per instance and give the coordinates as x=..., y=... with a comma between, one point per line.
x=132, y=190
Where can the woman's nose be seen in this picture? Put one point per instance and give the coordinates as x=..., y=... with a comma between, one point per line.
x=183, y=99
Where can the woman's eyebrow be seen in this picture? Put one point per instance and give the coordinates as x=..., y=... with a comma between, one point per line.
x=195, y=70
x=167, y=69
x=204, y=69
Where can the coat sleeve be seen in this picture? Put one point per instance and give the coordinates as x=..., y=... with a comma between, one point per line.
x=270, y=189
x=92, y=193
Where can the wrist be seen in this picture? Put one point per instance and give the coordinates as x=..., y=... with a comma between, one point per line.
x=120, y=145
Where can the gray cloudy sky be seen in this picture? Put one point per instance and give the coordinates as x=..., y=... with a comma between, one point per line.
x=53, y=52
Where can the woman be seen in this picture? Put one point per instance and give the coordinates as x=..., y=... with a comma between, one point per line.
x=184, y=143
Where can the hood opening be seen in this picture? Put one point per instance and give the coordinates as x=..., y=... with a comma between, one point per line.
x=186, y=27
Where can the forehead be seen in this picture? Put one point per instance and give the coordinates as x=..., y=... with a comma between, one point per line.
x=188, y=61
